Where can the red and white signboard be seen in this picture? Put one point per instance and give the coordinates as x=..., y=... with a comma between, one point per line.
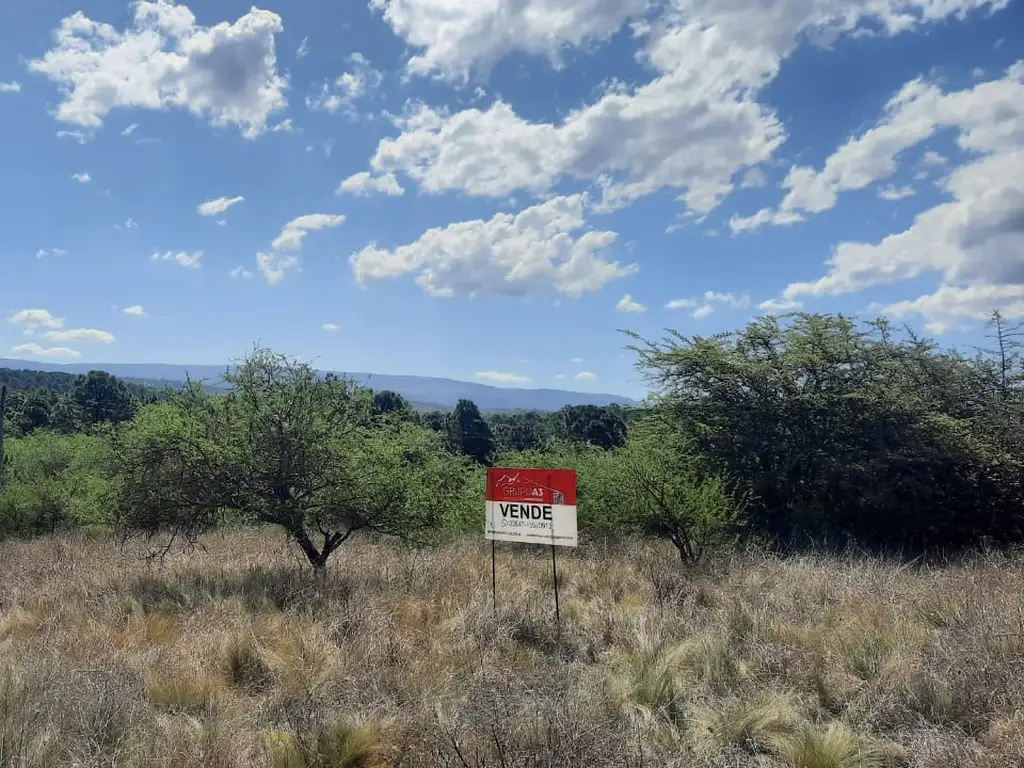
x=531, y=506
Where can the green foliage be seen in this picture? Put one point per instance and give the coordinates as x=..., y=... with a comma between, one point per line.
x=54, y=482
x=469, y=434
x=283, y=447
x=842, y=433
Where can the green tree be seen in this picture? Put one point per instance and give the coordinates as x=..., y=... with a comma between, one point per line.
x=603, y=427
x=281, y=447
x=840, y=432
x=100, y=397
x=387, y=402
x=469, y=434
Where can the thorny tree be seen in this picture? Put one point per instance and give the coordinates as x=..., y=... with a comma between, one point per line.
x=282, y=446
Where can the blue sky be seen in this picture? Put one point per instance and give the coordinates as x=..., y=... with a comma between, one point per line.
x=489, y=190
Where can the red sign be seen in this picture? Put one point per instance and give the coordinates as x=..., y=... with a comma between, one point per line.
x=536, y=486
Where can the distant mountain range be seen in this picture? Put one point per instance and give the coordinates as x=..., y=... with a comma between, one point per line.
x=424, y=391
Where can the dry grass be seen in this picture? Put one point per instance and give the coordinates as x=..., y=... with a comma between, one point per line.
x=233, y=655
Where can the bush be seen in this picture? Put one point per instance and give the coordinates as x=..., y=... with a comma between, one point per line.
x=54, y=482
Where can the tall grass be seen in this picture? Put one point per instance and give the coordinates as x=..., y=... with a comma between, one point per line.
x=233, y=655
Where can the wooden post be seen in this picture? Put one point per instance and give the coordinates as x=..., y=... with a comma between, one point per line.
x=494, y=579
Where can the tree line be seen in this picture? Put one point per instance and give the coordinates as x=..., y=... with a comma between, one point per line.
x=797, y=430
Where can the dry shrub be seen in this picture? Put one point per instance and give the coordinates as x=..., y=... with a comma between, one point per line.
x=831, y=746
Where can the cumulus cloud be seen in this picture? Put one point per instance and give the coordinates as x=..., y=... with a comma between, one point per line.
x=192, y=260
x=974, y=242
x=347, y=88
x=501, y=377
x=218, y=205
x=35, y=350
x=987, y=117
x=705, y=305
x=892, y=192
x=585, y=376
x=13, y=86
x=364, y=183
x=78, y=136
x=42, y=253
x=541, y=248
x=136, y=310
x=931, y=157
x=627, y=304
x=456, y=38
x=754, y=178
x=241, y=273
x=692, y=128
x=32, y=320
x=274, y=266
x=303, y=50
x=295, y=231
x=330, y=327
x=81, y=178
x=130, y=129
x=226, y=73
x=80, y=334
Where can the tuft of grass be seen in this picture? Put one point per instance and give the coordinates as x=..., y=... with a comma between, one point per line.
x=189, y=694
x=832, y=746
x=342, y=743
x=751, y=724
x=244, y=666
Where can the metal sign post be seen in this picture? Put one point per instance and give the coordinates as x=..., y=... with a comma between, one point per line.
x=531, y=506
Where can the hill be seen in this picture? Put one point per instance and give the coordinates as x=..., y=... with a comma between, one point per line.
x=427, y=392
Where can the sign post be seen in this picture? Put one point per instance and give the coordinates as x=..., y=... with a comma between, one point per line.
x=531, y=506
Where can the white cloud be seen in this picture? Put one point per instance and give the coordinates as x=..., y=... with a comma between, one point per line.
x=975, y=242
x=222, y=222
x=273, y=266
x=295, y=231
x=303, y=50
x=12, y=86
x=703, y=311
x=347, y=88
x=285, y=126
x=754, y=178
x=932, y=157
x=987, y=117
x=184, y=258
x=691, y=128
x=130, y=129
x=81, y=178
x=585, y=376
x=457, y=38
x=80, y=334
x=42, y=253
x=892, y=192
x=218, y=205
x=35, y=350
x=331, y=327
x=705, y=305
x=779, y=305
x=682, y=304
x=78, y=136
x=540, y=248
x=226, y=72
x=241, y=273
x=363, y=183
x=627, y=304
x=32, y=320
x=500, y=377
x=950, y=305
x=136, y=310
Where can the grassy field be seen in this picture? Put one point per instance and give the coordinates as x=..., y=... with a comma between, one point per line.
x=233, y=655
